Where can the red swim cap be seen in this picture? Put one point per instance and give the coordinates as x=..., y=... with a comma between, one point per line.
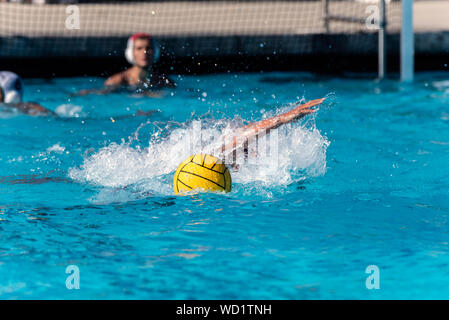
x=129, y=55
x=140, y=35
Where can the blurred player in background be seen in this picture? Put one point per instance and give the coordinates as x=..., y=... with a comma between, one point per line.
x=141, y=52
x=11, y=93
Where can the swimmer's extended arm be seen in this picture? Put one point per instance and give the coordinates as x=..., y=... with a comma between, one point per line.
x=296, y=113
x=105, y=90
x=31, y=108
x=262, y=127
x=112, y=84
x=117, y=82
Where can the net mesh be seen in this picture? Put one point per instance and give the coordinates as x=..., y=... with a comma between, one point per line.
x=185, y=28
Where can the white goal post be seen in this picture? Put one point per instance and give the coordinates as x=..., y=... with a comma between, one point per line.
x=407, y=42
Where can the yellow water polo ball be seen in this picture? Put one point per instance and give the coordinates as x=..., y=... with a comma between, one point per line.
x=202, y=171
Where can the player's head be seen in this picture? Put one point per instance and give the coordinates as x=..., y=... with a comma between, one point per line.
x=11, y=87
x=141, y=50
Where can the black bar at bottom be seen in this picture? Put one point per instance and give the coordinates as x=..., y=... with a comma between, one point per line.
x=219, y=309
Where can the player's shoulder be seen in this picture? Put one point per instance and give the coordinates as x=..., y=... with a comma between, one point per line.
x=116, y=79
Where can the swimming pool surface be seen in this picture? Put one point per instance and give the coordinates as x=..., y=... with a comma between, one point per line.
x=364, y=181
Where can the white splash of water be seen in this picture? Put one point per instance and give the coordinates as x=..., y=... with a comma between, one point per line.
x=301, y=154
x=69, y=111
x=56, y=148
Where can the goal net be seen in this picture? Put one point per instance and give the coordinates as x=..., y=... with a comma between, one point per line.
x=43, y=28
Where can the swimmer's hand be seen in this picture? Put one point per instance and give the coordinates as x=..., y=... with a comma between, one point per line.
x=300, y=111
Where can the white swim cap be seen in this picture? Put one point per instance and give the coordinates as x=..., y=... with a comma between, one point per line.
x=12, y=87
x=129, y=52
x=13, y=97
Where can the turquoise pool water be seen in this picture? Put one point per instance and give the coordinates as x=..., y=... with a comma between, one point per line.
x=364, y=181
